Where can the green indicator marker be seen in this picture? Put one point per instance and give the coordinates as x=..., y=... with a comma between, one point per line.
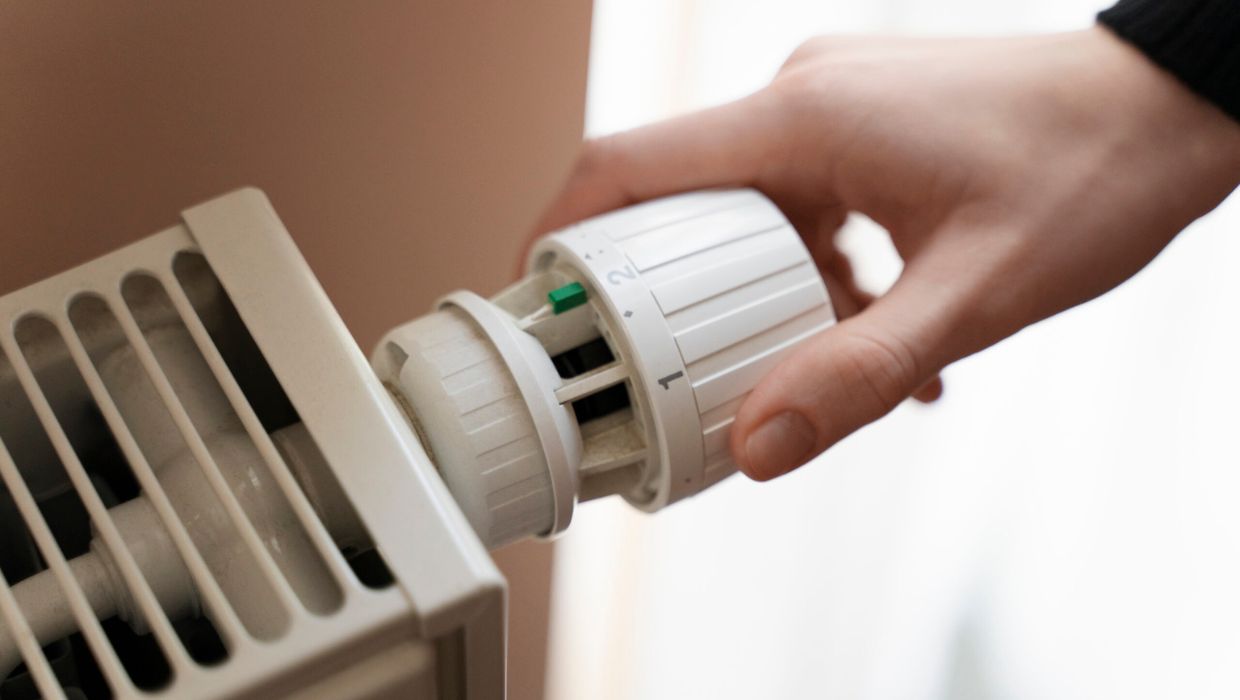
x=570, y=296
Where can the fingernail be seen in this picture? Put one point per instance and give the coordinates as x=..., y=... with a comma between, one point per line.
x=780, y=445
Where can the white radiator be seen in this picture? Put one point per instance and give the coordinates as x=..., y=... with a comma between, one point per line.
x=425, y=613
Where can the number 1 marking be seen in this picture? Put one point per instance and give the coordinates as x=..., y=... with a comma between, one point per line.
x=664, y=382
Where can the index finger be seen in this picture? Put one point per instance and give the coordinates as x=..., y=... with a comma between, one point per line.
x=725, y=146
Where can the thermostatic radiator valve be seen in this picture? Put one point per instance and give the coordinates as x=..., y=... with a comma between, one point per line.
x=616, y=366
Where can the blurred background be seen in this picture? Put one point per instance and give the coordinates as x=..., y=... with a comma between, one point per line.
x=1063, y=524
x=407, y=146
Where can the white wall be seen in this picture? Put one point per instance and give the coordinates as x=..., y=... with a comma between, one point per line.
x=1064, y=524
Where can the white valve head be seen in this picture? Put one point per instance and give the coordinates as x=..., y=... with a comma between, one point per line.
x=615, y=367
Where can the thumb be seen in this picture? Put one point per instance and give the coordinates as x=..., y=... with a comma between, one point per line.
x=841, y=380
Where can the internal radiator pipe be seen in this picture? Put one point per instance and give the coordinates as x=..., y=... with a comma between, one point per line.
x=41, y=598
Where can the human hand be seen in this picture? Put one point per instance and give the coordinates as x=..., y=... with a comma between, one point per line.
x=1016, y=177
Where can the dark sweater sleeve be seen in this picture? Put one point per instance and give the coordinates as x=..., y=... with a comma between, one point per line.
x=1196, y=40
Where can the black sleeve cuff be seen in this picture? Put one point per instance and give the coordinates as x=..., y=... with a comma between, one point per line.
x=1196, y=40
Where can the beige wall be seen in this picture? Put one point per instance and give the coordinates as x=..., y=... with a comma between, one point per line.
x=407, y=146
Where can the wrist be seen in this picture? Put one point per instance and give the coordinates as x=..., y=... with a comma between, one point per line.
x=1156, y=111
x=1198, y=41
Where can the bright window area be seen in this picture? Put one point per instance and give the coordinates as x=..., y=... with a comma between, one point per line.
x=1064, y=524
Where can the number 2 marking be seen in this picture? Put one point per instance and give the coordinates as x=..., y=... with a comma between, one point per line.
x=619, y=275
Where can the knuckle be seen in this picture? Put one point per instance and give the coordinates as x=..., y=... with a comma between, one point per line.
x=595, y=155
x=790, y=84
x=805, y=88
x=810, y=49
x=601, y=166
x=795, y=96
x=885, y=367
